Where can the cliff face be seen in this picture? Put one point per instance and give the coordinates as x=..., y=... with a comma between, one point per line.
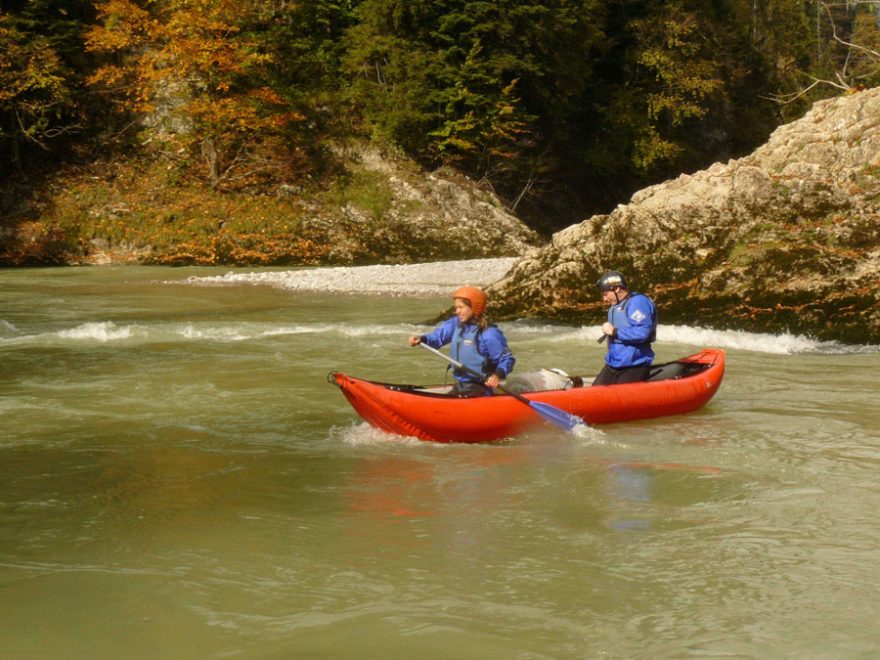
x=785, y=239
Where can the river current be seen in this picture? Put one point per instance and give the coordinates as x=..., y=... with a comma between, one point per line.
x=179, y=480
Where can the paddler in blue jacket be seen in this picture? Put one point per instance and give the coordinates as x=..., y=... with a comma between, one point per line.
x=630, y=329
x=474, y=342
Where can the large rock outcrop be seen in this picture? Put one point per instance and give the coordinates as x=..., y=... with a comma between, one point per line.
x=785, y=239
x=415, y=216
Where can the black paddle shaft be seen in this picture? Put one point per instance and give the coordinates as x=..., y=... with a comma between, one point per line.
x=475, y=374
x=550, y=413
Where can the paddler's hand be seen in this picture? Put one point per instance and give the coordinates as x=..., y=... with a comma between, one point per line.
x=492, y=381
x=608, y=329
x=415, y=341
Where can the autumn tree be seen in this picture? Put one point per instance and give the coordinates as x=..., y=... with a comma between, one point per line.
x=198, y=81
x=37, y=89
x=42, y=65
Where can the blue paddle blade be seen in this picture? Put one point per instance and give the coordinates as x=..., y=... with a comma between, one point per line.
x=557, y=416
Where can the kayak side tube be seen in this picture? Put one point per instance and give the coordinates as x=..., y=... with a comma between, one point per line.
x=428, y=413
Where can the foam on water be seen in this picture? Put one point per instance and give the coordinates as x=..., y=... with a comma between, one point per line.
x=102, y=331
x=363, y=434
x=106, y=332
x=433, y=279
x=7, y=329
x=588, y=435
x=781, y=344
x=784, y=344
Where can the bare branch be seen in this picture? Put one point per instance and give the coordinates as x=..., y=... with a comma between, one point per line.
x=62, y=130
x=27, y=134
x=785, y=99
x=529, y=184
x=872, y=53
x=844, y=76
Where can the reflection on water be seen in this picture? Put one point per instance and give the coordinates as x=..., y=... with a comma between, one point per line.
x=628, y=485
x=384, y=489
x=178, y=480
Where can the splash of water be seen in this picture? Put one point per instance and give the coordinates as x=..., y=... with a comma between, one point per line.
x=100, y=331
x=110, y=332
x=362, y=433
x=588, y=435
x=782, y=344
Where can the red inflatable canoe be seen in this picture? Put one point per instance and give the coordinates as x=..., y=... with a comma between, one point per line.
x=429, y=414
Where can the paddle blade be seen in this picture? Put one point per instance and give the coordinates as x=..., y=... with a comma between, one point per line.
x=557, y=416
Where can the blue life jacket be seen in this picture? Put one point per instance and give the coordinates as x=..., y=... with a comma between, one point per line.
x=632, y=345
x=463, y=348
x=484, y=351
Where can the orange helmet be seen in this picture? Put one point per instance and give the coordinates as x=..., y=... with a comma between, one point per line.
x=474, y=297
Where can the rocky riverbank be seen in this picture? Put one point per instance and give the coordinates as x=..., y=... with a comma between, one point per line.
x=425, y=279
x=784, y=239
x=382, y=209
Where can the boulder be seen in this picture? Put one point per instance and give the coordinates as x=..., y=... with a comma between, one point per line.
x=784, y=239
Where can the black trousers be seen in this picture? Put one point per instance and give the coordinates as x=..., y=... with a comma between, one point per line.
x=469, y=389
x=614, y=376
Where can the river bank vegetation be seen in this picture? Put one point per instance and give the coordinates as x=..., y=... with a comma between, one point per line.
x=212, y=127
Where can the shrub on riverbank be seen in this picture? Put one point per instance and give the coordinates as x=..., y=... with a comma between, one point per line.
x=381, y=208
x=133, y=211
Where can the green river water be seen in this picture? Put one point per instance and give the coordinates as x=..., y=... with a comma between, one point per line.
x=179, y=480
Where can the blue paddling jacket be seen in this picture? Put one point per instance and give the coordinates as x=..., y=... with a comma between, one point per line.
x=484, y=351
x=635, y=318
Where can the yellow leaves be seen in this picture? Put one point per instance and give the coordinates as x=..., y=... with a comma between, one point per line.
x=687, y=75
x=285, y=119
x=266, y=95
x=189, y=48
x=651, y=148
x=121, y=24
x=108, y=75
x=194, y=40
x=27, y=69
x=200, y=79
x=33, y=86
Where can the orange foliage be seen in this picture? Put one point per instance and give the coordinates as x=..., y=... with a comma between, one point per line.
x=190, y=62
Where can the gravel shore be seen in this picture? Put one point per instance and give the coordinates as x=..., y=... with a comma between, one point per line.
x=435, y=278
